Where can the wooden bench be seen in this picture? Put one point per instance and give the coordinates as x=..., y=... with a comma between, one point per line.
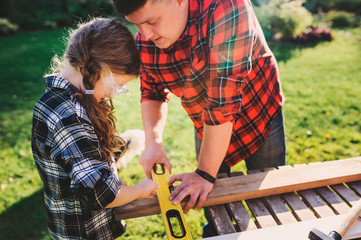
x=280, y=201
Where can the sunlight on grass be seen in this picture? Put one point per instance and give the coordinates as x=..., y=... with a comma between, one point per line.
x=322, y=111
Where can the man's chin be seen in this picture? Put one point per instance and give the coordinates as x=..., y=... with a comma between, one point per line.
x=162, y=44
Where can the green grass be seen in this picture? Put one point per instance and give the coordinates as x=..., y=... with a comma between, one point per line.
x=322, y=111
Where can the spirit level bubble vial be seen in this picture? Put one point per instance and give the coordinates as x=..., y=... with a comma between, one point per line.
x=174, y=220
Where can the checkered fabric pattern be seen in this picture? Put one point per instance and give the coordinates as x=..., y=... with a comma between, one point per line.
x=222, y=69
x=78, y=181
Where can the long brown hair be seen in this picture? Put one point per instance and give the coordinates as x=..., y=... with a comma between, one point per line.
x=92, y=46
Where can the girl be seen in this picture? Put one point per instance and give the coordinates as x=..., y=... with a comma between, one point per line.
x=74, y=133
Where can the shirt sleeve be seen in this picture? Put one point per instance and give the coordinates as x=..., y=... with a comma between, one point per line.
x=77, y=152
x=232, y=33
x=151, y=90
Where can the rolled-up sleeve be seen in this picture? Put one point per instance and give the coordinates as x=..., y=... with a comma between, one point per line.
x=232, y=32
x=77, y=152
x=151, y=90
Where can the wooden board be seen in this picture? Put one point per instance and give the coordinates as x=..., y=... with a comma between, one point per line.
x=221, y=219
x=313, y=201
x=261, y=213
x=243, y=219
x=299, y=208
x=262, y=184
x=338, y=206
x=279, y=209
x=294, y=231
x=346, y=194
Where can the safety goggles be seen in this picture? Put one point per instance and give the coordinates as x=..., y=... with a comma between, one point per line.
x=112, y=88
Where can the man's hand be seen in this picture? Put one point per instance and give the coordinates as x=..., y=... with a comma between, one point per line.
x=193, y=185
x=153, y=154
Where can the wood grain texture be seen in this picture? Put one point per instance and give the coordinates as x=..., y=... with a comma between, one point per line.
x=262, y=184
x=299, y=208
x=315, y=202
x=221, y=219
x=346, y=194
x=294, y=231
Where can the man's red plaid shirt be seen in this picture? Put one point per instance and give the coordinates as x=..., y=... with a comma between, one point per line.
x=222, y=69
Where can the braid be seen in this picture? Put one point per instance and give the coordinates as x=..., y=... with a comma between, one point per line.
x=102, y=42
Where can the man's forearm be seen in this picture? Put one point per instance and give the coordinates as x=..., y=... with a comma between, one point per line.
x=154, y=114
x=214, y=147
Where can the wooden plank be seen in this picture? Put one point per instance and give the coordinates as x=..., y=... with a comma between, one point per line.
x=299, y=208
x=279, y=209
x=316, y=203
x=356, y=186
x=294, y=231
x=284, y=167
x=242, y=217
x=260, y=212
x=333, y=200
x=221, y=220
x=260, y=170
x=262, y=184
x=281, y=181
x=346, y=194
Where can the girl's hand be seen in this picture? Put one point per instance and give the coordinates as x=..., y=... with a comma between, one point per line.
x=151, y=155
x=147, y=188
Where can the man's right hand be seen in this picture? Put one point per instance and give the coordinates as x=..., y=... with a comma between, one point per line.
x=151, y=155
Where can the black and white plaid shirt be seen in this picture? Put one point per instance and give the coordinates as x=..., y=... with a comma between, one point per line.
x=78, y=181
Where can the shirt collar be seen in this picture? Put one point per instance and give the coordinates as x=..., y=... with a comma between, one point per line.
x=193, y=18
x=53, y=81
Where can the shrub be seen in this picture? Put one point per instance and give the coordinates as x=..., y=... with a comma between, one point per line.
x=313, y=35
x=7, y=28
x=43, y=14
x=291, y=19
x=49, y=24
x=286, y=17
x=340, y=18
x=316, y=6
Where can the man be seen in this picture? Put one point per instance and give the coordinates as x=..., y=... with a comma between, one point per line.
x=213, y=55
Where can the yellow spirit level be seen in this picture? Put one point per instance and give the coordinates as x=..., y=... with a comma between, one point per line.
x=174, y=220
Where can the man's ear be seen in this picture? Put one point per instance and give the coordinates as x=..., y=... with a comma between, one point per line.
x=181, y=3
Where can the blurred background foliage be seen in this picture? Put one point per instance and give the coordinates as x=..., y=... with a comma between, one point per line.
x=320, y=82
x=280, y=19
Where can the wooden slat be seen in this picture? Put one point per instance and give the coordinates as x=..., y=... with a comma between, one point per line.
x=345, y=193
x=279, y=209
x=260, y=170
x=298, y=207
x=262, y=184
x=221, y=219
x=320, y=208
x=333, y=200
x=356, y=186
x=284, y=167
x=242, y=217
x=261, y=213
x=294, y=231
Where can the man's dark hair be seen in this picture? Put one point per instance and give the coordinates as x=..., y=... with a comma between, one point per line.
x=126, y=7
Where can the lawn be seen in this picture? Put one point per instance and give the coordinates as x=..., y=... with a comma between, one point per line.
x=322, y=85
